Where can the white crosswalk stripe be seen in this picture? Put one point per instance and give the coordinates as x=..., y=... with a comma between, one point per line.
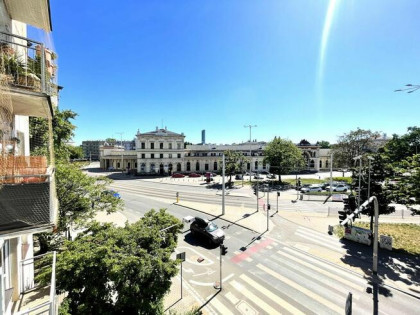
x=321, y=239
x=314, y=296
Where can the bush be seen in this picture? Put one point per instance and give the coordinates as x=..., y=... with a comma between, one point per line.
x=347, y=180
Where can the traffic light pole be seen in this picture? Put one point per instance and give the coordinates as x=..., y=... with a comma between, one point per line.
x=375, y=231
x=221, y=267
x=223, y=185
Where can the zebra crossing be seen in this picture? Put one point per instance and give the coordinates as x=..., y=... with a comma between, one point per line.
x=288, y=281
x=321, y=239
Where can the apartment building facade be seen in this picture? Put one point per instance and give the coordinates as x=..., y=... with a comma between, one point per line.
x=28, y=204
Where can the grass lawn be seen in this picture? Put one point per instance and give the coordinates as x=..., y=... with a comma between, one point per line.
x=405, y=237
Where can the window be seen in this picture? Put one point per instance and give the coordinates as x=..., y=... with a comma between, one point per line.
x=161, y=156
x=152, y=156
x=161, y=145
x=178, y=146
x=143, y=156
x=312, y=164
x=188, y=166
x=178, y=167
x=326, y=163
x=142, y=167
x=206, y=167
x=143, y=145
x=320, y=164
x=135, y=165
x=256, y=165
x=170, y=146
x=179, y=155
x=197, y=166
x=152, y=145
x=170, y=155
x=215, y=166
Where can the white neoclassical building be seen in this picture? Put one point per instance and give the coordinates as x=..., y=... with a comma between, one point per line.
x=163, y=152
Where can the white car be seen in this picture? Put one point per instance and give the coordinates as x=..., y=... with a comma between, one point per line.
x=338, y=187
x=311, y=188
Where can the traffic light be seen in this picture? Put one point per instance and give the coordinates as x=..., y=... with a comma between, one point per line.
x=342, y=213
x=268, y=207
x=223, y=249
x=350, y=206
x=278, y=194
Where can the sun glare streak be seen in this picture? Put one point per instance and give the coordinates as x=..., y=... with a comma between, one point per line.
x=324, y=41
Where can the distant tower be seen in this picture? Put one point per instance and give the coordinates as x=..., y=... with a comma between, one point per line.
x=203, y=136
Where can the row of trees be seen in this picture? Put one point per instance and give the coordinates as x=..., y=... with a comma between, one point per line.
x=394, y=168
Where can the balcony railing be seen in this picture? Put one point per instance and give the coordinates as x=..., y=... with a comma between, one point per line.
x=26, y=193
x=27, y=65
x=35, y=298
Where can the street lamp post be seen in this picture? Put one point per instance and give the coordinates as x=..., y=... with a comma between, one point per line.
x=331, y=166
x=371, y=216
x=250, y=146
x=223, y=184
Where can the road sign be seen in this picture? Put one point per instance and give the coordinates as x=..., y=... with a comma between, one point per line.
x=181, y=256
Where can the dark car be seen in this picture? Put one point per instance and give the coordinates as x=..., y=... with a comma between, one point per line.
x=238, y=176
x=194, y=175
x=207, y=230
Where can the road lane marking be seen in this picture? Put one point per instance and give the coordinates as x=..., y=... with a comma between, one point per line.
x=253, y=298
x=278, y=300
x=219, y=306
x=324, y=272
x=323, y=238
x=251, y=250
x=322, y=243
x=206, y=261
x=318, y=262
x=232, y=298
x=303, y=290
x=210, y=284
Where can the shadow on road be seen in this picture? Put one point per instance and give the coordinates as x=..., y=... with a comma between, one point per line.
x=199, y=241
x=398, y=266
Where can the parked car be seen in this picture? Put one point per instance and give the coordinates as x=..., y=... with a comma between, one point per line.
x=112, y=193
x=194, y=175
x=238, y=176
x=271, y=176
x=210, y=174
x=178, y=175
x=207, y=230
x=339, y=187
x=311, y=188
x=264, y=172
x=257, y=176
x=111, y=168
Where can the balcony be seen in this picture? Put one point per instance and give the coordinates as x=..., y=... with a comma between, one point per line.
x=37, y=298
x=28, y=75
x=27, y=201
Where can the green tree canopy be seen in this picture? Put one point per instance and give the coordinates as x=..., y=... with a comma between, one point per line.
x=128, y=270
x=283, y=156
x=401, y=147
x=324, y=144
x=353, y=144
x=234, y=163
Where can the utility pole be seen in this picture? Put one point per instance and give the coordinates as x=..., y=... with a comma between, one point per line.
x=331, y=166
x=223, y=184
x=250, y=146
x=359, y=157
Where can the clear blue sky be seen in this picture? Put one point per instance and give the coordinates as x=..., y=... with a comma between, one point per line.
x=286, y=66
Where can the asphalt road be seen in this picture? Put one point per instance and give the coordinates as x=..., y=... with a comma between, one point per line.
x=262, y=274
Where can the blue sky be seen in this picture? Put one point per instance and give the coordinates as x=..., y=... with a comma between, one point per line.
x=220, y=65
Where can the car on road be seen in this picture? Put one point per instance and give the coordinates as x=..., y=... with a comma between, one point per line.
x=258, y=176
x=311, y=188
x=238, y=176
x=178, y=175
x=207, y=230
x=194, y=175
x=338, y=187
x=210, y=174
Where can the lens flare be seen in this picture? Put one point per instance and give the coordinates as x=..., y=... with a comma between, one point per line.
x=332, y=7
